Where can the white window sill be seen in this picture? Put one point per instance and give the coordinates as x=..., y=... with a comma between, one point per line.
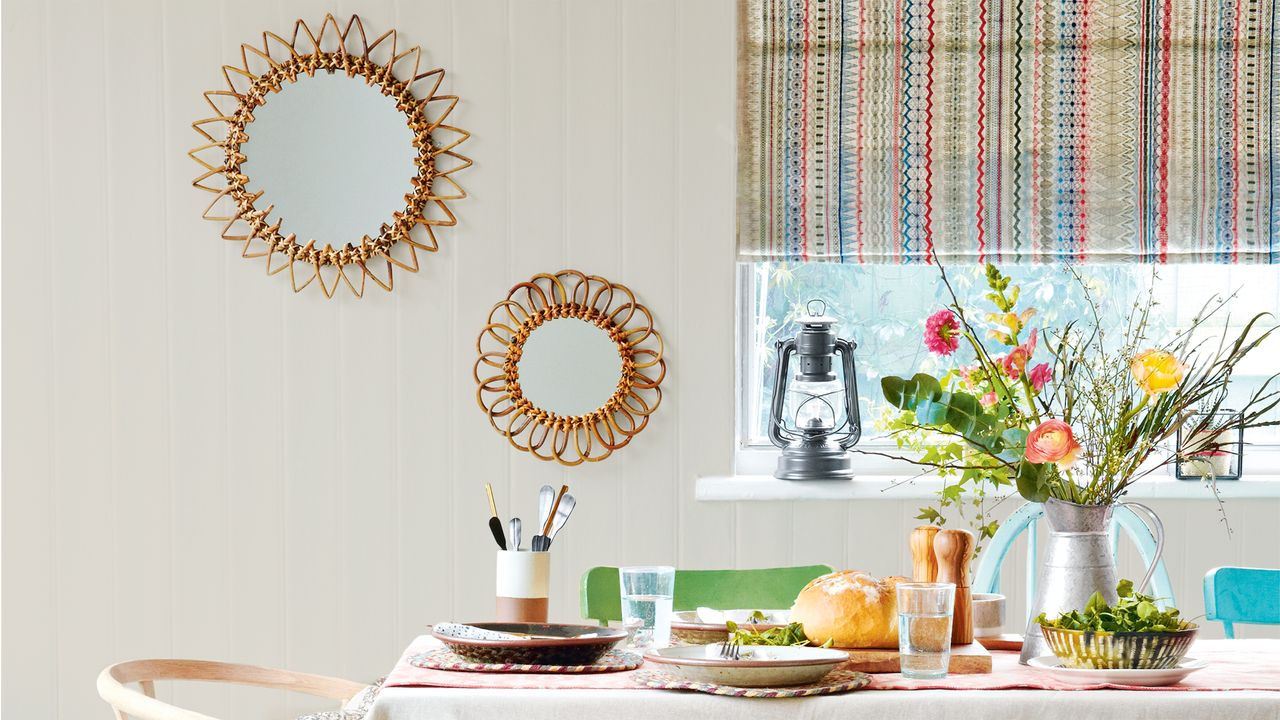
x=886, y=487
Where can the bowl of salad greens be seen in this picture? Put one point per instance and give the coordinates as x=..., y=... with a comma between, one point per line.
x=1133, y=634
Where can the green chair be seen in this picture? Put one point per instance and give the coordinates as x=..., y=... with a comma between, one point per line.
x=1242, y=595
x=764, y=589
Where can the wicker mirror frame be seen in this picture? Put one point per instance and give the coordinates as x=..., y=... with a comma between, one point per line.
x=274, y=66
x=569, y=439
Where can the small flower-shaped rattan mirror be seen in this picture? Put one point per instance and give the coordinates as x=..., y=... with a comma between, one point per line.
x=570, y=367
x=328, y=154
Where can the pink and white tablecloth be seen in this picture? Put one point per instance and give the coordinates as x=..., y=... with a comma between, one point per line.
x=1250, y=667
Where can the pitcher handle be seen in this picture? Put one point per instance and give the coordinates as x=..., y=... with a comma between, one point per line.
x=1153, y=521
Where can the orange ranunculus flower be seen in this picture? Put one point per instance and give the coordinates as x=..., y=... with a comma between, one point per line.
x=1052, y=441
x=1157, y=371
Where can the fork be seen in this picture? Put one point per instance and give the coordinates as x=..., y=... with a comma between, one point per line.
x=730, y=650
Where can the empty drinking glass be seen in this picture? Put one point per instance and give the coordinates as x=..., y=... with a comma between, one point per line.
x=647, y=594
x=924, y=628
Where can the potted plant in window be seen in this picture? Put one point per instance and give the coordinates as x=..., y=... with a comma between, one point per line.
x=1069, y=416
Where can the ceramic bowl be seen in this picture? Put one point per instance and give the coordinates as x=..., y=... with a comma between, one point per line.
x=988, y=614
x=1088, y=649
x=688, y=628
x=548, y=644
x=757, y=666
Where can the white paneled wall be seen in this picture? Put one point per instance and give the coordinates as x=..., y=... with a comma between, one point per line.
x=199, y=463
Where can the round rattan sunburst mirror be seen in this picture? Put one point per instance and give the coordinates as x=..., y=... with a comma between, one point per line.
x=329, y=180
x=570, y=367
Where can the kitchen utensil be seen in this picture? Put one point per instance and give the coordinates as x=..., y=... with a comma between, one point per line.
x=1053, y=667
x=513, y=530
x=540, y=543
x=546, y=499
x=495, y=525
x=567, y=503
x=706, y=625
x=730, y=650
x=954, y=548
x=923, y=561
x=522, y=584
x=755, y=666
x=1077, y=563
x=555, y=644
x=1118, y=650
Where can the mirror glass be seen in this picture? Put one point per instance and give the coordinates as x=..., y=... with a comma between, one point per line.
x=569, y=367
x=333, y=155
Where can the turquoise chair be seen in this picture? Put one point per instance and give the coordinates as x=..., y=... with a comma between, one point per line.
x=1242, y=595
x=765, y=589
x=986, y=579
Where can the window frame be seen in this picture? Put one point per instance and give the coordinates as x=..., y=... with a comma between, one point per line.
x=1261, y=462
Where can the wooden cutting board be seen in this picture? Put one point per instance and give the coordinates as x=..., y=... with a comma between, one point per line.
x=971, y=659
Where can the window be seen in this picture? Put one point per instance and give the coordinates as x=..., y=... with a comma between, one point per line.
x=883, y=308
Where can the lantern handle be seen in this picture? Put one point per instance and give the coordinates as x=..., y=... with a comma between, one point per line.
x=785, y=349
x=809, y=307
x=851, y=413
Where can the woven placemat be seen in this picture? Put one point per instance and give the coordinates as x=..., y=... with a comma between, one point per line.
x=445, y=659
x=836, y=681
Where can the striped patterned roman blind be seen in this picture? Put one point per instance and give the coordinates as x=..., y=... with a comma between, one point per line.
x=903, y=131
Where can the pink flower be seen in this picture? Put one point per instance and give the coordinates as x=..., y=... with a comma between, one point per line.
x=1040, y=376
x=989, y=399
x=1052, y=442
x=942, y=333
x=1016, y=361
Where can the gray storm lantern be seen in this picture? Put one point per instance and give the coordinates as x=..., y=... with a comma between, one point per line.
x=814, y=417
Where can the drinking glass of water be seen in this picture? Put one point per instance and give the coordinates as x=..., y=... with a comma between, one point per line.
x=924, y=628
x=646, y=604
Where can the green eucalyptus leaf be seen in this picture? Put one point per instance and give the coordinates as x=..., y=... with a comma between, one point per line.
x=1033, y=481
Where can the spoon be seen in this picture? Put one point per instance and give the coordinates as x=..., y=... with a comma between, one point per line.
x=567, y=504
x=513, y=533
x=540, y=541
x=546, y=499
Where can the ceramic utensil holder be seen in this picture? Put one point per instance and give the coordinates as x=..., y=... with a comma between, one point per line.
x=522, y=582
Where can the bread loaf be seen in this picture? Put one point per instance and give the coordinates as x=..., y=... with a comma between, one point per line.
x=850, y=608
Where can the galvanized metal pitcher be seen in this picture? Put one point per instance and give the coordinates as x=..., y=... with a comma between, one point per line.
x=1077, y=563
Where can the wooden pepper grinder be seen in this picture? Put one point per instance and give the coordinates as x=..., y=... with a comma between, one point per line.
x=954, y=549
x=924, y=563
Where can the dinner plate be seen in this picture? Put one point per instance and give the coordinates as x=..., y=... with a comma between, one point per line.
x=705, y=625
x=756, y=666
x=1052, y=666
x=528, y=643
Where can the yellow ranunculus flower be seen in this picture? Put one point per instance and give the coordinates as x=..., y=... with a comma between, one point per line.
x=1157, y=371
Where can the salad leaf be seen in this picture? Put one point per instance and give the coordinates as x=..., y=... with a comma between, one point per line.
x=1133, y=612
x=792, y=634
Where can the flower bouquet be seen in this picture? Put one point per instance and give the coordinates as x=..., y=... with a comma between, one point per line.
x=1067, y=412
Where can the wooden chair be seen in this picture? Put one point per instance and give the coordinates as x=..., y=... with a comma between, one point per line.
x=764, y=589
x=986, y=578
x=143, y=705
x=1242, y=595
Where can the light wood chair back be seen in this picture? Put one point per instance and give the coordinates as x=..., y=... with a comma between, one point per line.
x=142, y=704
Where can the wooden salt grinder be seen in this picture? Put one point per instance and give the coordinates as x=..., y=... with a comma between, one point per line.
x=924, y=563
x=954, y=549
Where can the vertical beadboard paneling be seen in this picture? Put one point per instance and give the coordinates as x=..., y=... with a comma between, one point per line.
x=83, y=455
x=30, y=654
x=201, y=463
x=478, y=247
x=700, y=353
x=426, y=528
x=137, y=347
x=648, y=126
x=592, y=189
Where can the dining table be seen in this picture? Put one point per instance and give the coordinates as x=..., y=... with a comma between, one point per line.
x=1241, y=682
